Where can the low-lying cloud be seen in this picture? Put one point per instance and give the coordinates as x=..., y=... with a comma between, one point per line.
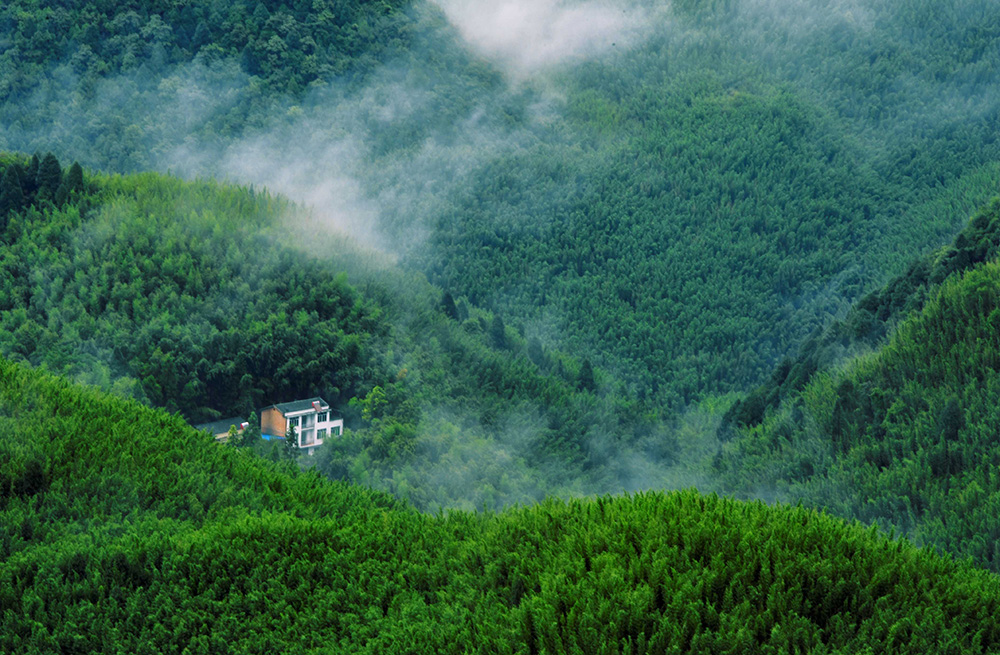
x=530, y=36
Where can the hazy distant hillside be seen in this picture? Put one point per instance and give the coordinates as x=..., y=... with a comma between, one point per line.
x=709, y=196
x=124, y=530
x=681, y=193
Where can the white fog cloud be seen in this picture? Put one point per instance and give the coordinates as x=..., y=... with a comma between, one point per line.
x=528, y=36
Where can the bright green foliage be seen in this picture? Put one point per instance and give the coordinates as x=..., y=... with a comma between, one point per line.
x=199, y=298
x=906, y=436
x=124, y=530
x=175, y=288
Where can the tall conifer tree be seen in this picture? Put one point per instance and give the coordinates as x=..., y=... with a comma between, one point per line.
x=11, y=195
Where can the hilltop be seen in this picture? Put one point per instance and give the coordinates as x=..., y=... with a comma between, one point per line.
x=124, y=529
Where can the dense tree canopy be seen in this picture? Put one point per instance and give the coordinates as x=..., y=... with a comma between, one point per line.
x=684, y=212
x=586, y=266
x=124, y=529
x=906, y=435
x=199, y=298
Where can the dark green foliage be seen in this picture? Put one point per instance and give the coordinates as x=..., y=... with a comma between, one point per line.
x=700, y=208
x=905, y=436
x=316, y=38
x=11, y=195
x=72, y=183
x=196, y=298
x=49, y=176
x=30, y=178
x=874, y=317
x=448, y=306
x=535, y=352
x=844, y=410
x=951, y=420
x=498, y=332
x=20, y=186
x=685, y=214
x=586, y=380
x=186, y=544
x=172, y=288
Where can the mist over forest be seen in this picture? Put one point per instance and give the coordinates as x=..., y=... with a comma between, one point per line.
x=674, y=194
x=655, y=326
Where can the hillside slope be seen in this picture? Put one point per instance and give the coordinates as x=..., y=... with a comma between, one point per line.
x=904, y=435
x=123, y=529
x=215, y=300
x=683, y=208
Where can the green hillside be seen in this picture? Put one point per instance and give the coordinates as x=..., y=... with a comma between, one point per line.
x=872, y=319
x=213, y=301
x=711, y=196
x=906, y=434
x=125, y=530
x=519, y=274
x=683, y=210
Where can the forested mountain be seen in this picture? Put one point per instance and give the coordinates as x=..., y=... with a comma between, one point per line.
x=872, y=319
x=199, y=298
x=683, y=206
x=125, y=530
x=903, y=435
x=532, y=249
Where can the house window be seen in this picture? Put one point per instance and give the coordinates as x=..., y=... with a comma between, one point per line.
x=322, y=417
x=293, y=422
x=335, y=431
x=320, y=433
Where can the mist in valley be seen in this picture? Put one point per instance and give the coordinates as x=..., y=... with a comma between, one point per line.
x=517, y=112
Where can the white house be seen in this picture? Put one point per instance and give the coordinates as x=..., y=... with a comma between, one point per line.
x=312, y=419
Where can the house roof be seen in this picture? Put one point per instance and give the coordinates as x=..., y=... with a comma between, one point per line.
x=218, y=427
x=300, y=405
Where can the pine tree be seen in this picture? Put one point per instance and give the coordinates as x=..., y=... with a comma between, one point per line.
x=586, y=380
x=261, y=14
x=11, y=195
x=291, y=444
x=248, y=61
x=252, y=434
x=535, y=352
x=29, y=182
x=448, y=306
x=72, y=182
x=202, y=36
x=843, y=415
x=498, y=332
x=49, y=176
x=950, y=420
x=74, y=177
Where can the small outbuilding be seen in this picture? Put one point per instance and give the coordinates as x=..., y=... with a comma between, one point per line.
x=220, y=429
